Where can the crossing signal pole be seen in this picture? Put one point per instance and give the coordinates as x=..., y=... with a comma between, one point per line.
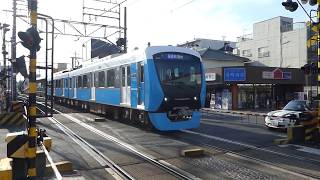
x=32, y=111
x=312, y=67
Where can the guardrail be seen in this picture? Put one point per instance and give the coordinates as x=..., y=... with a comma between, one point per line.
x=237, y=116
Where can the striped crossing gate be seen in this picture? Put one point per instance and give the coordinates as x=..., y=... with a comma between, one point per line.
x=12, y=118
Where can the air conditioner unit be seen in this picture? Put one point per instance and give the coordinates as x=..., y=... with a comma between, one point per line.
x=266, y=54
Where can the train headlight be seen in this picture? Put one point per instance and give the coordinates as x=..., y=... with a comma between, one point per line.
x=165, y=99
x=195, y=98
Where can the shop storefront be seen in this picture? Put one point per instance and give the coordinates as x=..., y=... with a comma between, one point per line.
x=252, y=87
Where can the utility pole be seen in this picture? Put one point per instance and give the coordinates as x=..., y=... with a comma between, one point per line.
x=75, y=62
x=13, y=53
x=5, y=29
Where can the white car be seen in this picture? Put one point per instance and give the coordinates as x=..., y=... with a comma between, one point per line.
x=289, y=116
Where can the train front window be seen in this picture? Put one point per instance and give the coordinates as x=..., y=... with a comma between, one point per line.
x=184, y=70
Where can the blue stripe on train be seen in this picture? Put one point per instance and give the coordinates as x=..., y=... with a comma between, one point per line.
x=84, y=94
x=58, y=92
x=108, y=96
x=153, y=91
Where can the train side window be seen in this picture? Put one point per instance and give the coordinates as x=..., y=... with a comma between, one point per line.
x=85, y=81
x=141, y=73
x=101, y=79
x=110, y=77
x=96, y=79
x=79, y=81
x=75, y=81
x=128, y=76
x=123, y=76
x=89, y=80
x=67, y=82
x=117, y=78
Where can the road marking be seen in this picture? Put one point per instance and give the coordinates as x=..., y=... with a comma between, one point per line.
x=221, y=139
x=244, y=145
x=263, y=163
x=213, y=122
x=308, y=149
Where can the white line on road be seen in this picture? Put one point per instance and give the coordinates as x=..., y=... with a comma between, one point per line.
x=242, y=144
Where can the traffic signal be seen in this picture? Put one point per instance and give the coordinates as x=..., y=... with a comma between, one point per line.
x=30, y=39
x=309, y=68
x=289, y=5
x=121, y=42
x=312, y=2
x=20, y=66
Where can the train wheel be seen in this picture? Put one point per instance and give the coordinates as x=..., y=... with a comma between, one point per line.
x=147, y=123
x=116, y=114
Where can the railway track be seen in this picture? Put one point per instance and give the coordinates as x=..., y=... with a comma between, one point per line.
x=104, y=160
x=163, y=165
x=239, y=154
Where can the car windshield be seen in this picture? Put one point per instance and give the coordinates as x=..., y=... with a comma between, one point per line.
x=296, y=106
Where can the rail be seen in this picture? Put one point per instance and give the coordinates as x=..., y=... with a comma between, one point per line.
x=159, y=163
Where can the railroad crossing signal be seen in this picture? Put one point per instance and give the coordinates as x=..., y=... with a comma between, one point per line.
x=289, y=5
x=20, y=66
x=30, y=39
x=309, y=68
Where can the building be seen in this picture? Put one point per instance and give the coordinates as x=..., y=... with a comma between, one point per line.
x=276, y=42
x=252, y=87
x=217, y=58
x=200, y=43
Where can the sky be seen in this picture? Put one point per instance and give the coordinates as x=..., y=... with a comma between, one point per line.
x=161, y=22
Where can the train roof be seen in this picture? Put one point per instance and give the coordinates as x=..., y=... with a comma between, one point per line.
x=135, y=56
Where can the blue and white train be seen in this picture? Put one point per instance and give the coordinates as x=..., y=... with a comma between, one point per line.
x=162, y=86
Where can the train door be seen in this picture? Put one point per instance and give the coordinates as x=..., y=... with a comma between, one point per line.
x=140, y=83
x=125, y=85
x=133, y=85
x=93, y=89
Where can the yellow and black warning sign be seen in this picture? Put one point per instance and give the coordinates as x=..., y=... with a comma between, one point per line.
x=310, y=129
x=17, y=143
x=17, y=106
x=13, y=118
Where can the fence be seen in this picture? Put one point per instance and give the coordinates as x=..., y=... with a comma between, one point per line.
x=234, y=116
